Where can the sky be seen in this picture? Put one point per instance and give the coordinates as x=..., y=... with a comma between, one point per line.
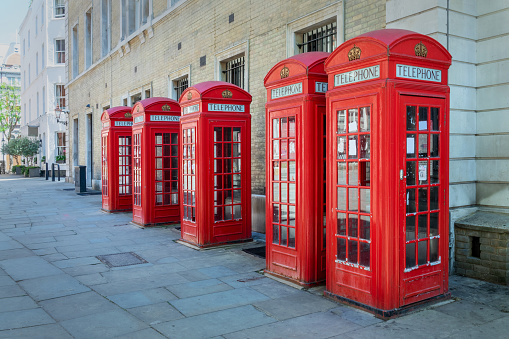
x=14, y=12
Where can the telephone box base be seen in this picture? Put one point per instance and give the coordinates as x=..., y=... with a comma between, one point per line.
x=168, y=223
x=116, y=211
x=388, y=314
x=218, y=244
x=292, y=282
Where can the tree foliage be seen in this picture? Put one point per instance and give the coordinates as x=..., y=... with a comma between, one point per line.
x=10, y=109
x=25, y=147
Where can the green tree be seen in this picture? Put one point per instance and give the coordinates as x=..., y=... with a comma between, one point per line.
x=24, y=146
x=10, y=109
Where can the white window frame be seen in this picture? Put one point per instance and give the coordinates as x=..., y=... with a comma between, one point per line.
x=235, y=51
x=59, y=5
x=59, y=98
x=43, y=59
x=60, y=150
x=59, y=51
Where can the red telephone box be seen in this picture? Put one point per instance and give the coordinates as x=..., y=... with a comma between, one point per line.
x=295, y=169
x=216, y=164
x=388, y=169
x=155, y=161
x=116, y=178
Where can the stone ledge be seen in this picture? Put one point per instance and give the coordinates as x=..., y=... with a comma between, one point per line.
x=485, y=221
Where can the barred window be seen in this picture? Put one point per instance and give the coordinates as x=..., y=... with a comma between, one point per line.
x=180, y=86
x=321, y=39
x=234, y=71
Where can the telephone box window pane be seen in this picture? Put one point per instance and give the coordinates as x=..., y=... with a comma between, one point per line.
x=410, y=201
x=227, y=181
x=291, y=215
x=342, y=121
x=236, y=150
x=410, y=255
x=159, y=163
x=341, y=253
x=275, y=234
x=174, y=162
x=435, y=119
x=174, y=138
x=433, y=224
x=159, y=187
x=275, y=128
x=341, y=223
x=275, y=171
x=284, y=236
x=410, y=227
x=159, y=175
x=236, y=165
x=364, y=254
x=341, y=198
x=284, y=128
x=341, y=148
x=410, y=118
x=275, y=213
x=433, y=250
x=352, y=147
x=218, y=213
x=228, y=213
x=218, y=198
x=353, y=226
x=275, y=191
x=237, y=214
x=159, y=138
x=433, y=198
x=410, y=173
x=352, y=251
x=159, y=151
x=291, y=237
x=275, y=149
x=423, y=226
x=423, y=172
x=434, y=147
x=284, y=149
x=236, y=181
x=365, y=119
x=291, y=149
x=365, y=224
x=423, y=145
x=352, y=173
x=236, y=134
x=284, y=214
x=423, y=118
x=218, y=133
x=284, y=171
x=365, y=147
x=284, y=192
x=227, y=197
x=434, y=178
x=423, y=252
x=159, y=199
x=218, y=151
x=353, y=120
x=423, y=199
x=365, y=196
x=292, y=193
x=227, y=134
x=291, y=127
x=365, y=174
x=341, y=173
x=218, y=166
x=410, y=146
x=292, y=171
x=227, y=165
x=353, y=199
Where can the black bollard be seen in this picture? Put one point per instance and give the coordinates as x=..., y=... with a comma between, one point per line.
x=47, y=172
x=58, y=166
x=53, y=172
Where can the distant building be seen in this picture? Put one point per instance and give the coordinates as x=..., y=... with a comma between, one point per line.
x=42, y=38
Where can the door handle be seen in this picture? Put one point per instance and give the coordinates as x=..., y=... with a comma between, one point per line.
x=401, y=176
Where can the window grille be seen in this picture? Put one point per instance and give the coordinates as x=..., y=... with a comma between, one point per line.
x=321, y=39
x=234, y=71
x=180, y=86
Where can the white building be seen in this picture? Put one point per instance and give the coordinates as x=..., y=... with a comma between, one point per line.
x=43, y=78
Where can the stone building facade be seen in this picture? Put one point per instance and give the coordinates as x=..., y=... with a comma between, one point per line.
x=120, y=52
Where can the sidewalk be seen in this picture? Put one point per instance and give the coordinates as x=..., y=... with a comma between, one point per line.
x=52, y=285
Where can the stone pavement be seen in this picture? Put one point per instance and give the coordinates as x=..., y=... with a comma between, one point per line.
x=52, y=285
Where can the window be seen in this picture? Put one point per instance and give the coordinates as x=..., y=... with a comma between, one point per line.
x=37, y=63
x=189, y=176
x=42, y=15
x=36, y=25
x=124, y=165
x=38, y=104
x=60, y=51
x=88, y=39
x=23, y=48
x=60, y=96
x=233, y=71
x=135, y=13
x=320, y=39
x=43, y=59
x=135, y=98
x=29, y=74
x=179, y=86
x=75, y=52
x=24, y=80
x=105, y=26
x=60, y=143
x=28, y=39
x=44, y=100
x=59, y=8
x=137, y=169
x=166, y=171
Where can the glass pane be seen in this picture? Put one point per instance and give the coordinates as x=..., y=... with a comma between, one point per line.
x=275, y=128
x=410, y=201
x=159, y=199
x=236, y=181
x=352, y=147
x=353, y=226
x=365, y=222
x=275, y=191
x=159, y=175
x=291, y=149
x=422, y=252
x=292, y=170
x=341, y=173
x=365, y=147
x=292, y=193
x=433, y=249
x=284, y=235
x=410, y=173
x=423, y=199
x=410, y=118
x=167, y=138
x=159, y=138
x=291, y=127
x=218, y=166
x=291, y=215
x=434, y=147
x=364, y=254
x=159, y=163
x=434, y=172
x=341, y=223
x=341, y=198
x=353, y=199
x=342, y=121
x=237, y=212
x=284, y=149
x=435, y=119
x=228, y=213
x=159, y=187
x=174, y=138
x=365, y=174
x=341, y=250
x=410, y=227
x=275, y=234
x=218, y=133
x=423, y=118
x=236, y=196
x=433, y=224
x=433, y=198
x=284, y=192
x=218, y=198
x=410, y=146
x=227, y=150
x=352, y=251
x=159, y=151
x=423, y=172
x=236, y=134
x=410, y=255
x=341, y=148
x=275, y=171
x=275, y=149
x=365, y=196
x=284, y=127
x=227, y=165
x=236, y=165
x=353, y=173
x=284, y=171
x=365, y=119
x=353, y=120
x=227, y=134
x=423, y=145
x=291, y=237
x=218, y=150
x=236, y=150
x=275, y=213
x=422, y=226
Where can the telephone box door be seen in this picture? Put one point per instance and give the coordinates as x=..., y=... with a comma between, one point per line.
x=423, y=193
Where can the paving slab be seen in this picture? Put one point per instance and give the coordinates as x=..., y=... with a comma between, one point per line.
x=103, y=325
x=196, y=288
x=9, y=245
x=143, y=334
x=52, y=287
x=214, y=324
x=51, y=331
x=24, y=318
x=142, y=298
x=356, y=316
x=17, y=304
x=67, y=263
x=28, y=268
x=472, y=313
x=156, y=313
x=10, y=291
x=6, y=280
x=16, y=253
